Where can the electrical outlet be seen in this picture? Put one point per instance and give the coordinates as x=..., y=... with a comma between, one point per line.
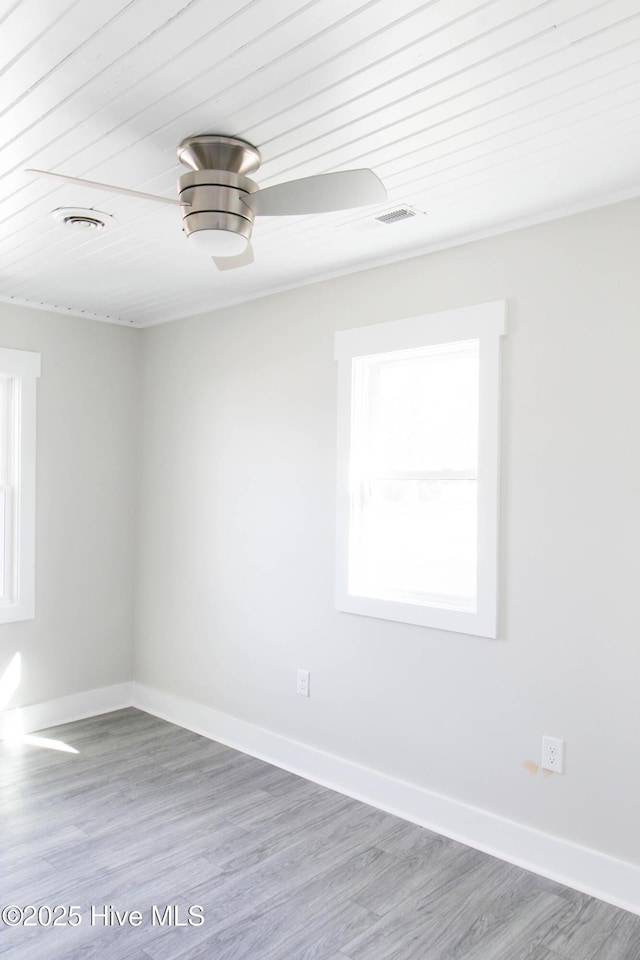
x=553, y=754
x=303, y=683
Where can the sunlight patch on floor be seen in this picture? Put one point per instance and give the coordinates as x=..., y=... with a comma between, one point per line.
x=47, y=742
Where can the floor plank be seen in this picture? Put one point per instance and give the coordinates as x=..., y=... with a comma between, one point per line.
x=598, y=931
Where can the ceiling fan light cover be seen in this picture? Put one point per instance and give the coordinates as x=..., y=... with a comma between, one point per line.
x=218, y=243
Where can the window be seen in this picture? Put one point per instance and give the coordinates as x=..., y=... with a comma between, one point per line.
x=418, y=420
x=18, y=372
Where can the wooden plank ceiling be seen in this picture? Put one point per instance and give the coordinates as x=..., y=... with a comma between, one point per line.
x=479, y=115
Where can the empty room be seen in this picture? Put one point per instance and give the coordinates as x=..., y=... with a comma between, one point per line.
x=319, y=344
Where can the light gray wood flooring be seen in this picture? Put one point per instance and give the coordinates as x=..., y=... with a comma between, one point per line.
x=146, y=814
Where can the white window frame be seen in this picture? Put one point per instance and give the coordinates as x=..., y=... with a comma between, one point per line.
x=19, y=370
x=486, y=323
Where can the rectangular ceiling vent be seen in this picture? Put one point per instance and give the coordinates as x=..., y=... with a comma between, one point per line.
x=402, y=213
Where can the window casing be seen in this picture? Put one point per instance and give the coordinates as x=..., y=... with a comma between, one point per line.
x=418, y=443
x=19, y=370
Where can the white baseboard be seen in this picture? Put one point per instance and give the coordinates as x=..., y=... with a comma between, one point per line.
x=581, y=868
x=589, y=871
x=53, y=713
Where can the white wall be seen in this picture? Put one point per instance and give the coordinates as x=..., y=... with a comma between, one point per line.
x=82, y=634
x=236, y=528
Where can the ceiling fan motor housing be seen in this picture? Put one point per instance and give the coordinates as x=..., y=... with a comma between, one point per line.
x=211, y=191
x=211, y=200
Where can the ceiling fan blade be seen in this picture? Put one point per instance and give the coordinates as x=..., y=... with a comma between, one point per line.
x=230, y=263
x=106, y=186
x=320, y=194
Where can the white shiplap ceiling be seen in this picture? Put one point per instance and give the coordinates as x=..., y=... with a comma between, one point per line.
x=480, y=115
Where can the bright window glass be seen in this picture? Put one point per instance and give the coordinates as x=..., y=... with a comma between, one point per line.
x=8, y=481
x=414, y=476
x=19, y=370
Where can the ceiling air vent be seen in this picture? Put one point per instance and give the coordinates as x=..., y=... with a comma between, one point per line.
x=79, y=218
x=84, y=223
x=411, y=216
x=402, y=213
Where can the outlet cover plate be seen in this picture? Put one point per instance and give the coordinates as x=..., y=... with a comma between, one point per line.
x=303, y=683
x=553, y=754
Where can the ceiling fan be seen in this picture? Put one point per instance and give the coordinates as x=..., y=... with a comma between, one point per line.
x=219, y=201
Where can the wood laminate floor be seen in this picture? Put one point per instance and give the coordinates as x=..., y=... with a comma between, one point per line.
x=147, y=815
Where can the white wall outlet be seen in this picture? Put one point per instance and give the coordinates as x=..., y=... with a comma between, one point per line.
x=553, y=754
x=303, y=683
